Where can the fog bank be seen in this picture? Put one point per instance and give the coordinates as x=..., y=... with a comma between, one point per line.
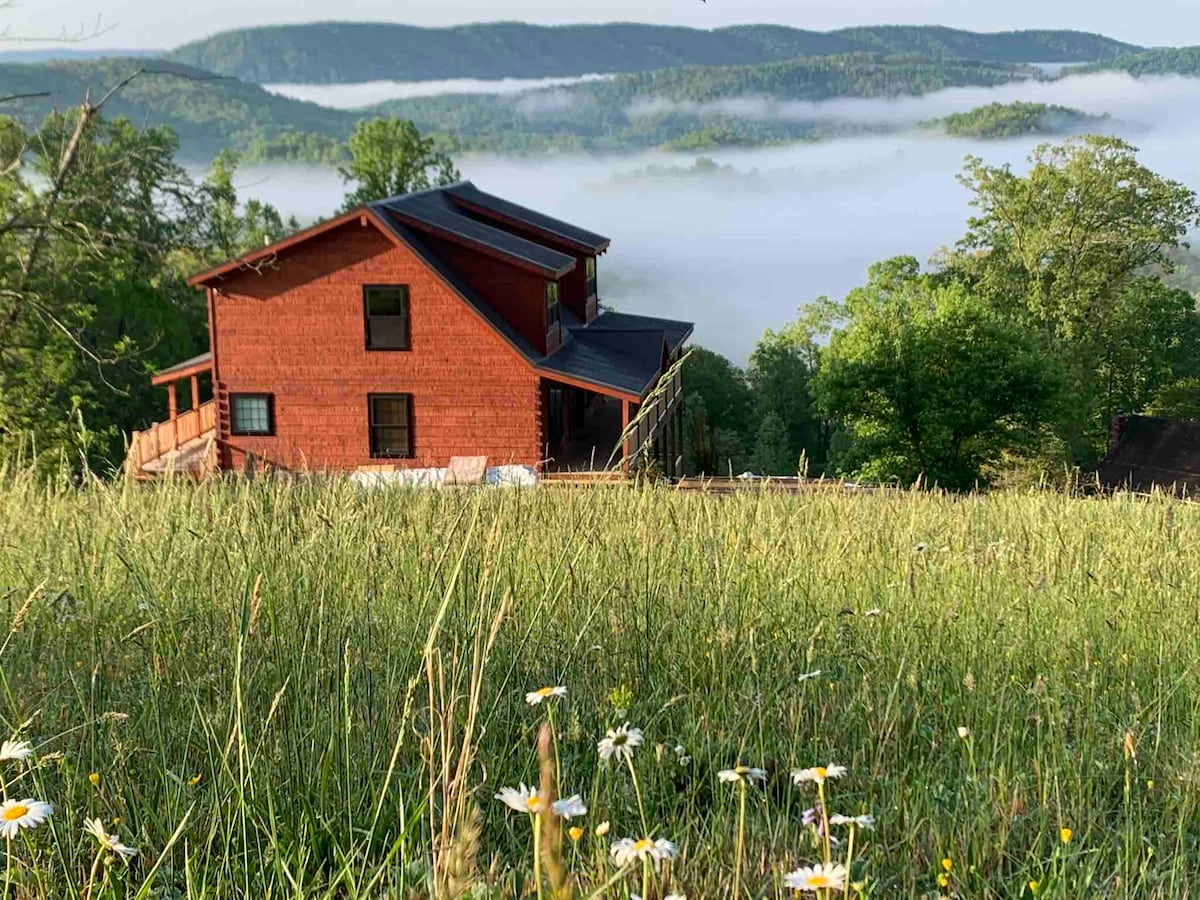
x=368, y=93
x=739, y=249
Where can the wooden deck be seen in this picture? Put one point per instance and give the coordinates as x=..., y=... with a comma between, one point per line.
x=183, y=445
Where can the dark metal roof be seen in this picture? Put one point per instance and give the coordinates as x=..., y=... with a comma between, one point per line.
x=582, y=239
x=432, y=211
x=630, y=368
x=674, y=331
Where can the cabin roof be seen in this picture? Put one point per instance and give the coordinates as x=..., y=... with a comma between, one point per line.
x=434, y=212
x=466, y=195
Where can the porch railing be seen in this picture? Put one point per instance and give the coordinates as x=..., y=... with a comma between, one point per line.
x=160, y=439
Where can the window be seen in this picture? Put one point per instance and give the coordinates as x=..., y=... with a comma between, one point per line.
x=553, y=314
x=591, y=276
x=390, y=419
x=385, y=309
x=252, y=414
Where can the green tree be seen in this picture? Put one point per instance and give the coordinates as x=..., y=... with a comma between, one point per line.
x=388, y=157
x=780, y=374
x=772, y=452
x=1073, y=248
x=932, y=382
x=232, y=228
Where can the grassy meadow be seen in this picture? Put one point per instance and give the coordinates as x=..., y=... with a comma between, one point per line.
x=282, y=689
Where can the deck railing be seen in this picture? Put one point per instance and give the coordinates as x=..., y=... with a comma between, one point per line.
x=160, y=439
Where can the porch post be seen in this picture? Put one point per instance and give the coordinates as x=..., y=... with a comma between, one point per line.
x=173, y=409
x=195, y=392
x=624, y=438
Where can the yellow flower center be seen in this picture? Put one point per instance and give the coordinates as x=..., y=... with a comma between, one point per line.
x=576, y=833
x=15, y=812
x=818, y=881
x=742, y=770
x=643, y=845
x=533, y=802
x=820, y=771
x=545, y=692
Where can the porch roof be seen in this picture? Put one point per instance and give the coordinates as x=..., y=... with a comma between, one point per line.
x=197, y=365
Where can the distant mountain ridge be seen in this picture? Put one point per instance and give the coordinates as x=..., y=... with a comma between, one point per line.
x=349, y=52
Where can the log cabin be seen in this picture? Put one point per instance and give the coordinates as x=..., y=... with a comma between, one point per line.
x=444, y=323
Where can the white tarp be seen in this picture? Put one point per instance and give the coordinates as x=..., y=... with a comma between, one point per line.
x=496, y=476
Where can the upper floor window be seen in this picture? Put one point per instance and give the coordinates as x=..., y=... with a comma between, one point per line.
x=385, y=309
x=553, y=312
x=591, y=276
x=252, y=414
x=389, y=417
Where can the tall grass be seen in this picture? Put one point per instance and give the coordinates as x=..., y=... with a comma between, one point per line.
x=300, y=689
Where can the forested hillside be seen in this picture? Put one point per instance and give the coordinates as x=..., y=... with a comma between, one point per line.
x=335, y=52
x=648, y=109
x=1164, y=61
x=684, y=107
x=207, y=113
x=997, y=121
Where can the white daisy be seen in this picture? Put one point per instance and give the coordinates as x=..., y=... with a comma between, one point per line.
x=627, y=850
x=18, y=814
x=534, y=698
x=818, y=774
x=18, y=751
x=865, y=822
x=109, y=842
x=569, y=807
x=522, y=799
x=740, y=772
x=620, y=742
x=963, y=732
x=816, y=878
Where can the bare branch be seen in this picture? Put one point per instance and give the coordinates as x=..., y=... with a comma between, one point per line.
x=11, y=97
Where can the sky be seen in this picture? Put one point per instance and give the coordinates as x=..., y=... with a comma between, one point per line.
x=149, y=24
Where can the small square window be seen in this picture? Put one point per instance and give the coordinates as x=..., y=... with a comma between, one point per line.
x=252, y=414
x=389, y=418
x=553, y=311
x=385, y=310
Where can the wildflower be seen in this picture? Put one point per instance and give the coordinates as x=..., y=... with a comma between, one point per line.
x=947, y=863
x=94, y=778
x=818, y=774
x=742, y=772
x=534, y=698
x=109, y=842
x=195, y=779
x=522, y=799
x=681, y=756
x=16, y=815
x=809, y=817
x=865, y=822
x=816, y=673
x=15, y=750
x=943, y=879
x=816, y=878
x=1150, y=785
x=570, y=807
x=602, y=828
x=620, y=742
x=575, y=833
x=627, y=850
x=1064, y=834
x=963, y=732
x=1033, y=887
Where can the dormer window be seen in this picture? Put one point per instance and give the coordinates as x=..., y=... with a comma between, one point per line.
x=553, y=311
x=591, y=276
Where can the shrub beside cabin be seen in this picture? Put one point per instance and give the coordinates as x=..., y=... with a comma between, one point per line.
x=444, y=323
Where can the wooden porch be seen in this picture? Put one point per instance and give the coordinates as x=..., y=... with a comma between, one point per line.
x=186, y=443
